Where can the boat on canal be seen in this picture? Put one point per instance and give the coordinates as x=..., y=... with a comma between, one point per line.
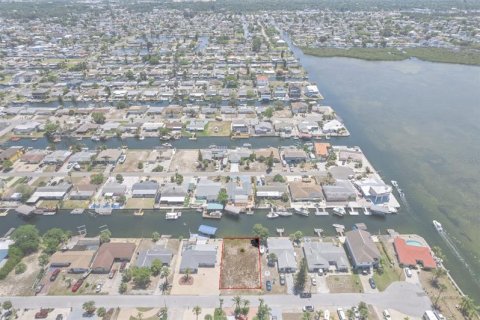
x=339, y=211
x=302, y=211
x=212, y=215
x=173, y=215
x=437, y=226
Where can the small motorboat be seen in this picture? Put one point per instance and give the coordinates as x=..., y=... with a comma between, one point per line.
x=302, y=211
x=339, y=211
x=284, y=213
x=212, y=215
x=272, y=215
x=437, y=225
x=173, y=215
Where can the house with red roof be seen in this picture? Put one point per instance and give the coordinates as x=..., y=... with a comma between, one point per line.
x=411, y=255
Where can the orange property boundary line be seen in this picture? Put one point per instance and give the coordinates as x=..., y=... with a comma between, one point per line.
x=259, y=265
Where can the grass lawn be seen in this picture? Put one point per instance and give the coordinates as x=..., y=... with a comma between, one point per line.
x=344, y=283
x=217, y=129
x=140, y=203
x=73, y=204
x=48, y=204
x=389, y=275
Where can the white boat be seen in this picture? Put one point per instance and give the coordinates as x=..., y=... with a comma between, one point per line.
x=247, y=145
x=141, y=138
x=212, y=215
x=379, y=210
x=168, y=145
x=272, y=215
x=262, y=249
x=302, y=211
x=284, y=213
x=77, y=211
x=339, y=211
x=437, y=226
x=173, y=215
x=95, y=138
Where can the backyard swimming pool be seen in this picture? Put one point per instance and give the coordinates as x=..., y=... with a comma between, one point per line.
x=414, y=243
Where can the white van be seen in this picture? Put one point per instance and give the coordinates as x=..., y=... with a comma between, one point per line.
x=386, y=315
x=341, y=314
x=326, y=315
x=408, y=272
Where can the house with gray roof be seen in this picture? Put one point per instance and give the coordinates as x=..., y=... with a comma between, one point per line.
x=239, y=190
x=207, y=190
x=198, y=256
x=56, y=192
x=341, y=190
x=57, y=157
x=196, y=125
x=114, y=189
x=173, y=193
x=82, y=157
x=324, y=255
x=283, y=249
x=361, y=249
x=145, y=189
x=146, y=257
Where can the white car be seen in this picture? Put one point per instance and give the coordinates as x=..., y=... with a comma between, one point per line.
x=408, y=272
x=98, y=288
x=314, y=281
x=386, y=315
x=122, y=158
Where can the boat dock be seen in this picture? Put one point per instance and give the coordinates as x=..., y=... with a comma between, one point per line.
x=318, y=232
x=280, y=231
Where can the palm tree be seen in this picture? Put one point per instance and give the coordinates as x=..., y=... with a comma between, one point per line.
x=318, y=314
x=187, y=274
x=441, y=289
x=140, y=315
x=245, y=307
x=237, y=300
x=468, y=308
x=350, y=314
x=437, y=275
x=196, y=311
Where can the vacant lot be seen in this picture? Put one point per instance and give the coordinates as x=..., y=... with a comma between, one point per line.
x=132, y=161
x=344, y=284
x=21, y=284
x=218, y=129
x=140, y=203
x=240, y=265
x=184, y=161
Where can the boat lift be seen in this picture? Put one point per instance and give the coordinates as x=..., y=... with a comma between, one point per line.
x=82, y=230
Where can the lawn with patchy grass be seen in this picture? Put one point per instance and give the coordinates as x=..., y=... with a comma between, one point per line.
x=217, y=129
x=74, y=204
x=344, y=283
x=240, y=267
x=140, y=203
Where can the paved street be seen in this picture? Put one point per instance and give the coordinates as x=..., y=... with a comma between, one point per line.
x=404, y=297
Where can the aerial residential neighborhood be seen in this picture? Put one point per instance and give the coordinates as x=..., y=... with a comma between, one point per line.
x=199, y=160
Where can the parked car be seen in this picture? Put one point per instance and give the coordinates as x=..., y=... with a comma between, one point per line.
x=305, y=295
x=372, y=283
x=59, y=317
x=408, y=272
x=314, y=281
x=386, y=315
x=42, y=314
x=77, y=285
x=122, y=158
x=112, y=273
x=98, y=288
x=38, y=288
x=326, y=315
x=320, y=272
x=308, y=309
x=269, y=285
x=123, y=266
x=54, y=275
x=282, y=279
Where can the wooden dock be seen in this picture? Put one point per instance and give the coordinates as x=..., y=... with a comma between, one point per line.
x=280, y=231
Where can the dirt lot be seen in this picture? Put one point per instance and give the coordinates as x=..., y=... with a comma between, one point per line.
x=72, y=204
x=184, y=160
x=271, y=273
x=344, y=284
x=131, y=163
x=21, y=284
x=240, y=264
x=140, y=203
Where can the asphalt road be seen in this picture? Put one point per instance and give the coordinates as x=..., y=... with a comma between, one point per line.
x=404, y=297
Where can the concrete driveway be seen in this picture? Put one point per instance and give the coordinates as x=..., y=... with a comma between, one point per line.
x=366, y=285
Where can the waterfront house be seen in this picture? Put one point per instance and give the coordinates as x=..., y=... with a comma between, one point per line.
x=412, y=254
x=262, y=81
x=311, y=91
x=274, y=191
x=239, y=190
x=283, y=250
x=108, y=253
x=333, y=126
x=207, y=190
x=294, y=155
x=109, y=156
x=324, y=256
x=361, y=249
x=33, y=156
x=304, y=191
x=83, y=192
x=56, y=192
x=263, y=128
x=145, y=189
x=12, y=154
x=114, y=189
x=299, y=107
x=239, y=126
x=350, y=155
x=146, y=257
x=173, y=193
x=82, y=157
x=374, y=190
x=340, y=191
x=197, y=256
x=196, y=125
x=321, y=150
x=26, y=128
x=294, y=92
x=77, y=261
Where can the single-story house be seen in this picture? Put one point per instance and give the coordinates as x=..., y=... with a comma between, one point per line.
x=114, y=189
x=56, y=192
x=323, y=255
x=196, y=125
x=26, y=128
x=75, y=261
x=82, y=157
x=146, y=257
x=294, y=155
x=57, y=157
x=410, y=255
x=83, y=192
x=173, y=193
x=341, y=190
x=110, y=156
x=283, y=250
x=361, y=249
x=303, y=191
x=321, y=150
x=145, y=189
x=110, y=252
x=274, y=191
x=198, y=256
x=375, y=190
x=207, y=190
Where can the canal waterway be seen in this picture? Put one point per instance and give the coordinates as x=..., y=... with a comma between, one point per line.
x=417, y=122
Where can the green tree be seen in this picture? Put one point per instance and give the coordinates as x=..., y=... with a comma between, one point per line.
x=156, y=267
x=123, y=288
x=20, y=268
x=119, y=178
x=296, y=236
x=97, y=178
x=308, y=316
x=105, y=236
x=43, y=260
x=285, y=197
x=278, y=178
x=89, y=307
x=197, y=311
x=7, y=164
x=7, y=305
x=155, y=236
x=268, y=113
x=98, y=117
x=163, y=313
x=52, y=239
x=27, y=238
x=141, y=276
x=50, y=129
x=260, y=231
x=101, y=312
x=222, y=196
x=263, y=311
x=468, y=307
x=25, y=190
x=318, y=314
x=301, y=276
x=140, y=165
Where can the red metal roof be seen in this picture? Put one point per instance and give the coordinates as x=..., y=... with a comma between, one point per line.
x=409, y=255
